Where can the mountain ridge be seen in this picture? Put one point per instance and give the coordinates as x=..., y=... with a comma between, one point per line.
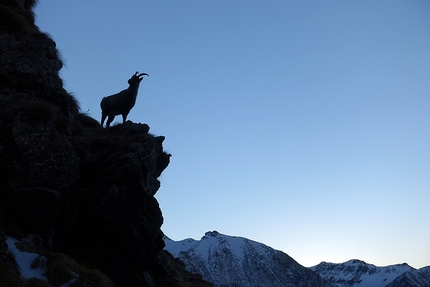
x=358, y=273
x=208, y=255
x=237, y=261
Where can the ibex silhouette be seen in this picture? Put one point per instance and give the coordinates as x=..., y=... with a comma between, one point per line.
x=122, y=102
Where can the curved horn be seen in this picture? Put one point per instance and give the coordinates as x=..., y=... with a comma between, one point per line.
x=143, y=74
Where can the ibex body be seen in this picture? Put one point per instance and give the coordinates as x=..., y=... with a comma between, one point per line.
x=123, y=102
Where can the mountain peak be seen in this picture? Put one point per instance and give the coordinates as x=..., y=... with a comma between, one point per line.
x=237, y=261
x=211, y=233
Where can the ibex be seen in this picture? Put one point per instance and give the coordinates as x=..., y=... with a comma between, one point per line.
x=123, y=102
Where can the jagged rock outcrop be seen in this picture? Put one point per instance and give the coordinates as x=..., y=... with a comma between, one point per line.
x=80, y=189
x=112, y=216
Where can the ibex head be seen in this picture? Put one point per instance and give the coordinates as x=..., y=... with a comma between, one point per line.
x=136, y=79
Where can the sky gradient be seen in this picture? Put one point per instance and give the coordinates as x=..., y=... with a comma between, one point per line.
x=303, y=125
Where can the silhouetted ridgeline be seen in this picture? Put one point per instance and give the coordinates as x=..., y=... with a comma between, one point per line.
x=69, y=189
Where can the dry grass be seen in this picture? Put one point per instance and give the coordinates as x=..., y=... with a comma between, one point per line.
x=178, y=276
x=93, y=278
x=33, y=282
x=62, y=269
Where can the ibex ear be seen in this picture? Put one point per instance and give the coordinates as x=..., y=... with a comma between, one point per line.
x=135, y=74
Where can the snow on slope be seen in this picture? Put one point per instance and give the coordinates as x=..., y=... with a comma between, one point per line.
x=415, y=278
x=357, y=273
x=25, y=264
x=24, y=261
x=237, y=261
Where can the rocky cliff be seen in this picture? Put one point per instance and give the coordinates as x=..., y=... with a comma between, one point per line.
x=68, y=186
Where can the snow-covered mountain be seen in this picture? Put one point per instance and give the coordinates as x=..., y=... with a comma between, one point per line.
x=237, y=261
x=415, y=278
x=240, y=262
x=356, y=273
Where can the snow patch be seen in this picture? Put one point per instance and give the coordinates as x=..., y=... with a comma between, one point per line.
x=25, y=260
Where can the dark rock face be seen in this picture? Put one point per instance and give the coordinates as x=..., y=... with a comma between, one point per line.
x=86, y=191
x=113, y=218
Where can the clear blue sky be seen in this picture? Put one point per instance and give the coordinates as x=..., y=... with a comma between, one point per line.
x=304, y=125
